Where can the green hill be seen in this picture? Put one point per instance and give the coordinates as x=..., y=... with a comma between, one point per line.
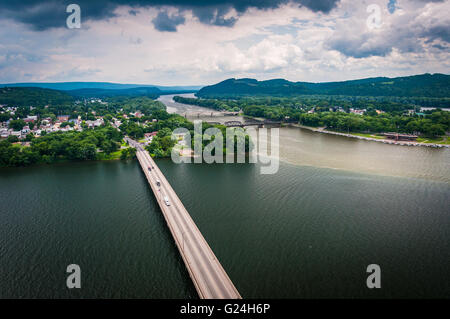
x=425, y=85
x=102, y=93
x=37, y=97
x=66, y=86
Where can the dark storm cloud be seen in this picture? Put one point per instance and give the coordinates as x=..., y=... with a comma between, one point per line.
x=441, y=32
x=214, y=15
x=42, y=15
x=164, y=22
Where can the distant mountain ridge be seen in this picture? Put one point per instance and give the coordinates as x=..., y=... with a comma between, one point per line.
x=150, y=91
x=424, y=85
x=67, y=86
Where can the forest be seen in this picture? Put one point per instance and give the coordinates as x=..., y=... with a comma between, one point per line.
x=61, y=146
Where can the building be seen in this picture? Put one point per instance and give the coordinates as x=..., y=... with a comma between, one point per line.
x=63, y=118
x=358, y=112
x=400, y=137
x=137, y=114
x=148, y=135
x=16, y=133
x=4, y=133
x=25, y=130
x=29, y=119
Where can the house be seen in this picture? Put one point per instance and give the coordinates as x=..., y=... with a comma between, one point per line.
x=96, y=123
x=358, y=112
x=4, y=133
x=29, y=119
x=16, y=133
x=148, y=135
x=47, y=120
x=63, y=118
x=137, y=114
x=25, y=130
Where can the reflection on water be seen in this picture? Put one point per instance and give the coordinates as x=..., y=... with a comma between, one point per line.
x=303, y=147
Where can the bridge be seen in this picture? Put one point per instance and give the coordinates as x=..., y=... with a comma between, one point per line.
x=211, y=114
x=251, y=122
x=209, y=278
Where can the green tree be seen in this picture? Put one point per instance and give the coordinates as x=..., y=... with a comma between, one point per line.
x=17, y=125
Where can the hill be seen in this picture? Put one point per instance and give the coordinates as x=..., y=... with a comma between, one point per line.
x=37, y=97
x=425, y=85
x=152, y=92
x=65, y=86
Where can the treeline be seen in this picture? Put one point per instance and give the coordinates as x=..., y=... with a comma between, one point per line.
x=61, y=146
x=433, y=125
x=424, y=85
x=287, y=106
x=328, y=112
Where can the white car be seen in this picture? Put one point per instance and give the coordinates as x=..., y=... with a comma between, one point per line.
x=166, y=200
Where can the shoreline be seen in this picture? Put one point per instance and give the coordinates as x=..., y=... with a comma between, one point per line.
x=384, y=141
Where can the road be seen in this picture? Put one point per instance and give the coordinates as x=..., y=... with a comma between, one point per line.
x=209, y=278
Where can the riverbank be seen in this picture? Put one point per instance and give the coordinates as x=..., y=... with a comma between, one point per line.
x=366, y=138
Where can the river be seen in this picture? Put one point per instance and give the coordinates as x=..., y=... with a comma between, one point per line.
x=308, y=231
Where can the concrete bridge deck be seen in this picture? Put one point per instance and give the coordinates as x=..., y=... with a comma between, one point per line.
x=209, y=278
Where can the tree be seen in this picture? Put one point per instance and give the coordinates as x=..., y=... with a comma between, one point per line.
x=128, y=153
x=435, y=130
x=17, y=125
x=12, y=139
x=29, y=137
x=4, y=117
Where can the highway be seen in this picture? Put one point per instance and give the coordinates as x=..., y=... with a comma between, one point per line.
x=209, y=278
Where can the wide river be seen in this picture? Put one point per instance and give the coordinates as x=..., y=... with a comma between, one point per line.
x=335, y=206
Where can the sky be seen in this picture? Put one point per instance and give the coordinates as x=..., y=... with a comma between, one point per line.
x=201, y=42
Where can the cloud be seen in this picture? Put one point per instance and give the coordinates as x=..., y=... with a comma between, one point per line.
x=164, y=22
x=43, y=15
x=408, y=29
x=214, y=16
x=291, y=41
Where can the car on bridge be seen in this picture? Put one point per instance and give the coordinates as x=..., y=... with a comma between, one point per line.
x=158, y=183
x=166, y=200
x=149, y=169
